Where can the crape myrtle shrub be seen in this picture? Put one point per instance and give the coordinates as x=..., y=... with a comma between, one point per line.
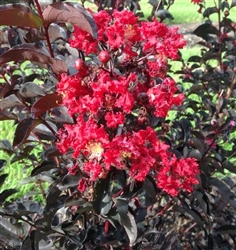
x=93, y=90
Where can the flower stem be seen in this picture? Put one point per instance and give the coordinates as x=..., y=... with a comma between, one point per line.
x=45, y=28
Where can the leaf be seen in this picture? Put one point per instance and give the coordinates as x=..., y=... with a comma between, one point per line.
x=52, y=196
x=19, y=15
x=22, y=53
x=55, y=32
x=46, y=103
x=5, y=115
x=51, y=152
x=102, y=200
x=194, y=59
x=3, y=178
x=69, y=181
x=215, y=163
x=224, y=5
x=2, y=164
x=73, y=13
x=6, y=146
x=201, y=199
x=226, y=229
x=60, y=114
x=6, y=193
x=195, y=153
x=205, y=29
x=189, y=213
x=34, y=35
x=198, y=144
x=44, y=166
x=31, y=89
x=127, y=220
x=11, y=232
x=163, y=14
x=209, y=11
x=150, y=191
x=72, y=201
x=44, y=133
x=23, y=130
x=14, y=37
x=9, y=102
x=229, y=166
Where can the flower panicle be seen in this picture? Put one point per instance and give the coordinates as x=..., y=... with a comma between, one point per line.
x=114, y=98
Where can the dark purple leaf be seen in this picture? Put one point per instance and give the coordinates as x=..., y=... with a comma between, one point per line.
x=215, y=163
x=75, y=14
x=51, y=152
x=44, y=166
x=55, y=31
x=31, y=89
x=224, y=5
x=151, y=190
x=194, y=59
x=6, y=193
x=23, y=130
x=226, y=229
x=46, y=103
x=19, y=15
x=34, y=35
x=60, y=114
x=10, y=231
x=127, y=220
x=31, y=53
x=2, y=179
x=209, y=11
x=229, y=166
x=102, y=200
x=10, y=101
x=198, y=144
x=204, y=30
x=163, y=14
x=5, y=115
x=189, y=213
x=53, y=196
x=13, y=37
x=69, y=181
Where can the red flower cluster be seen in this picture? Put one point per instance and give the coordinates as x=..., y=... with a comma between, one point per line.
x=112, y=102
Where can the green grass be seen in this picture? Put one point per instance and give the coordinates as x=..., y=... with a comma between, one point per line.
x=19, y=170
x=183, y=11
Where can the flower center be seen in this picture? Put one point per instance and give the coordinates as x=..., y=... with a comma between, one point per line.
x=94, y=150
x=129, y=32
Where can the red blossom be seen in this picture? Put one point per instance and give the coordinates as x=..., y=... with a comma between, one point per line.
x=162, y=97
x=196, y=1
x=84, y=41
x=133, y=82
x=114, y=119
x=82, y=185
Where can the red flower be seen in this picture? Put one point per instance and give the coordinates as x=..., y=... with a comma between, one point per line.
x=196, y=1
x=102, y=97
x=159, y=39
x=93, y=169
x=83, y=40
x=175, y=175
x=114, y=119
x=162, y=97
